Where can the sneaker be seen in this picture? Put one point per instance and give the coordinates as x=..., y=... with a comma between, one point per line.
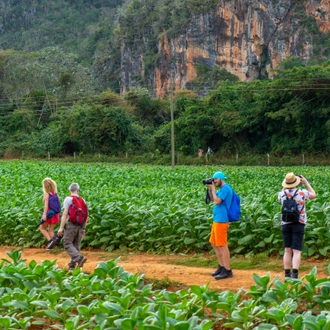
x=57, y=239
x=294, y=275
x=224, y=274
x=81, y=261
x=218, y=271
x=50, y=245
x=72, y=265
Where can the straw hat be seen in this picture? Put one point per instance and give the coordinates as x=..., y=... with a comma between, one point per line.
x=291, y=181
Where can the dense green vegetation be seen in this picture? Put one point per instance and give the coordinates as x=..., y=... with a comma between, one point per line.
x=42, y=295
x=157, y=209
x=162, y=210
x=288, y=115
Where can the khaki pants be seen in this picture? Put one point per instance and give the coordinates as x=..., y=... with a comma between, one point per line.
x=72, y=238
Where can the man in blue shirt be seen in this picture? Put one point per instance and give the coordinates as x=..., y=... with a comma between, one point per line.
x=219, y=232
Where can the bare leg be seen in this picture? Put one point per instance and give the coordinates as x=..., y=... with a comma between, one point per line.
x=51, y=228
x=296, y=259
x=223, y=255
x=43, y=230
x=218, y=254
x=287, y=258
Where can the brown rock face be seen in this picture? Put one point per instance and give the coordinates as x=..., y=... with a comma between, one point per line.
x=246, y=37
x=320, y=10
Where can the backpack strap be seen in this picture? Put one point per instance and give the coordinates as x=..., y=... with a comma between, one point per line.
x=294, y=194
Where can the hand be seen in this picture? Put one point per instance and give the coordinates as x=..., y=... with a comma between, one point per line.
x=83, y=233
x=303, y=179
x=60, y=232
x=211, y=186
x=44, y=217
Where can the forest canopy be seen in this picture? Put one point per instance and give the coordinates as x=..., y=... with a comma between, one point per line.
x=49, y=109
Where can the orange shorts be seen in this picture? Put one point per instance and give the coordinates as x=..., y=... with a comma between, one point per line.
x=219, y=233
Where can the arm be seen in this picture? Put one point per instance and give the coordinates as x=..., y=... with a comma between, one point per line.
x=213, y=193
x=46, y=201
x=84, y=232
x=312, y=193
x=63, y=221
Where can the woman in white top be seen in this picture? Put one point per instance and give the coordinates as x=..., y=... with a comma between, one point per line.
x=293, y=232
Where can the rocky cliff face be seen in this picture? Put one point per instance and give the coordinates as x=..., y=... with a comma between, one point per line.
x=246, y=37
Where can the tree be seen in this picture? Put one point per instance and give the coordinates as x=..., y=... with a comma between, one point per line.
x=51, y=70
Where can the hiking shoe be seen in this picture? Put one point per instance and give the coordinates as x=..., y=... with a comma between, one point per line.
x=81, y=261
x=224, y=274
x=218, y=271
x=294, y=275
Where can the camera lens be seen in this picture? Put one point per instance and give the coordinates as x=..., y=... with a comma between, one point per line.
x=207, y=181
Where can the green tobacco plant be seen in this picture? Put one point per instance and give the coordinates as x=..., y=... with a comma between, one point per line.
x=263, y=289
x=112, y=298
x=177, y=220
x=6, y=322
x=319, y=322
x=15, y=255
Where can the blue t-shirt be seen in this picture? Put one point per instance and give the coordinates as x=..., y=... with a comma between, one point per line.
x=220, y=210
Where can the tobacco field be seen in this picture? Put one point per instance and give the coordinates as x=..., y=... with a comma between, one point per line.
x=162, y=210
x=155, y=208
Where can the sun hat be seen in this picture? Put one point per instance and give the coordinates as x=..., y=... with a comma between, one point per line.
x=291, y=180
x=219, y=175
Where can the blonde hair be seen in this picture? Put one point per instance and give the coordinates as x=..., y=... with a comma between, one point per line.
x=49, y=185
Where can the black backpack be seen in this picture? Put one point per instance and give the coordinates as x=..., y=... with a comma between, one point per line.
x=290, y=211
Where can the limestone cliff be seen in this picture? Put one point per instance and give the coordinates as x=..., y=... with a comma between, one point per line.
x=246, y=37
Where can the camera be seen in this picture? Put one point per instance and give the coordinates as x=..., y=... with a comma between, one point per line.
x=208, y=181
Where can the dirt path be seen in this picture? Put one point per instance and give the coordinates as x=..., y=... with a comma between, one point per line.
x=152, y=266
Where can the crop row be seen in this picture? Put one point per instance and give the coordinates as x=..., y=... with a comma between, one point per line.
x=110, y=298
x=154, y=208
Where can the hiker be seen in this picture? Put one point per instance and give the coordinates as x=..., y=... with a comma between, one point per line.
x=74, y=220
x=200, y=152
x=219, y=232
x=49, y=218
x=293, y=229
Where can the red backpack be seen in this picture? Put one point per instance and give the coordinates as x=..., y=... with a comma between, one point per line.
x=78, y=211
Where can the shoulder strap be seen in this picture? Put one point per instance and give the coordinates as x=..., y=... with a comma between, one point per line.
x=293, y=195
x=77, y=200
x=232, y=198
